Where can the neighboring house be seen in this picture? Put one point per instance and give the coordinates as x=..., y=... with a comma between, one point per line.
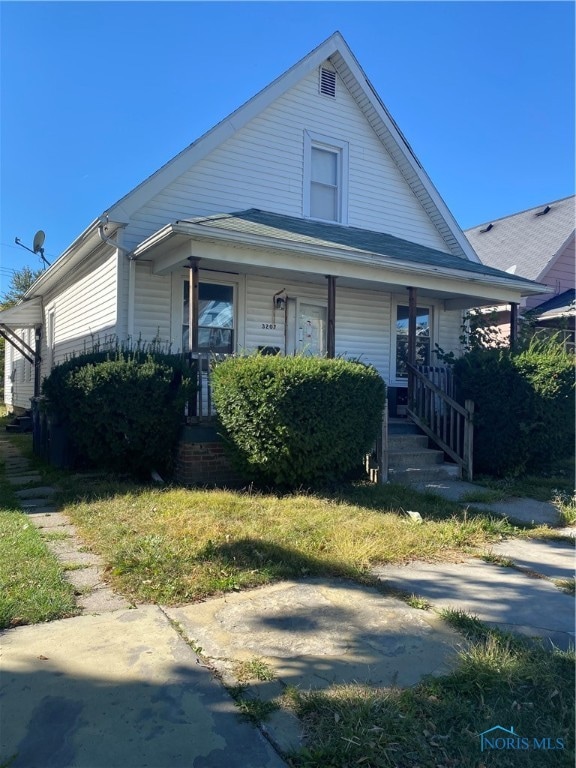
x=301, y=222
x=537, y=244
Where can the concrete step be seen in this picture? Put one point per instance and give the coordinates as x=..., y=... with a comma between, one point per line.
x=402, y=427
x=418, y=459
x=430, y=474
x=20, y=424
x=400, y=442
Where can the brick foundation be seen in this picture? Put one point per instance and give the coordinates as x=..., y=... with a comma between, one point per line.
x=200, y=459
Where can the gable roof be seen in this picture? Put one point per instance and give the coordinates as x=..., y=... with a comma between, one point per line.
x=337, y=51
x=526, y=243
x=289, y=232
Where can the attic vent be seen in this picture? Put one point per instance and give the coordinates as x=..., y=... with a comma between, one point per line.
x=327, y=82
x=487, y=229
x=543, y=212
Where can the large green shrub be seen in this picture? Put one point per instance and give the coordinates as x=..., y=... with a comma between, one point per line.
x=550, y=373
x=123, y=410
x=294, y=421
x=524, y=406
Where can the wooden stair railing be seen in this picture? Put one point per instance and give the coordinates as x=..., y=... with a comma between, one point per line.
x=446, y=422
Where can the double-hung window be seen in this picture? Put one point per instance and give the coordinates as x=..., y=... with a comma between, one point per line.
x=325, y=178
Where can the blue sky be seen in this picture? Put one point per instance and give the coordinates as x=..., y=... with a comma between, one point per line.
x=97, y=95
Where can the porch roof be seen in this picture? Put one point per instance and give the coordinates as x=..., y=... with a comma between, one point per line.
x=561, y=305
x=27, y=314
x=259, y=228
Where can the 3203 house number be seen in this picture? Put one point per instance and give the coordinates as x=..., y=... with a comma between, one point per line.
x=269, y=326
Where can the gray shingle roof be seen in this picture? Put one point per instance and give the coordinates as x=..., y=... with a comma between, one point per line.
x=525, y=242
x=316, y=233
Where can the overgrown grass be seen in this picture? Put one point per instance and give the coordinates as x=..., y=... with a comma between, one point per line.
x=32, y=586
x=543, y=487
x=500, y=680
x=566, y=505
x=177, y=545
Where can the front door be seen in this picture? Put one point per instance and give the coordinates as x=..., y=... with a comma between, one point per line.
x=306, y=328
x=423, y=340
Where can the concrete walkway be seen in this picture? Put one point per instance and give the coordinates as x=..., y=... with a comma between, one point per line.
x=115, y=687
x=126, y=686
x=526, y=511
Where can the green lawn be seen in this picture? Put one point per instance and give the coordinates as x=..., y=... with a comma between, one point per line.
x=32, y=585
x=175, y=545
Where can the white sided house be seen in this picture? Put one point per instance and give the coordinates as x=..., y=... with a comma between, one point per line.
x=301, y=222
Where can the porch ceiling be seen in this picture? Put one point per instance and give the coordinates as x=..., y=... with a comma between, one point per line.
x=253, y=241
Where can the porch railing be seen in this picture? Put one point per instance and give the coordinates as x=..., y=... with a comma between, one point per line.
x=201, y=408
x=446, y=422
x=378, y=470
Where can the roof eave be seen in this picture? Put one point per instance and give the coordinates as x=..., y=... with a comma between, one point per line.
x=82, y=246
x=156, y=242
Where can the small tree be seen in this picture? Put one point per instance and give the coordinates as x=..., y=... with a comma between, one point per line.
x=19, y=284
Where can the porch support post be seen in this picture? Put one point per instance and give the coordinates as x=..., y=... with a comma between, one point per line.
x=193, y=309
x=195, y=405
x=331, y=330
x=513, y=325
x=412, y=314
x=37, y=360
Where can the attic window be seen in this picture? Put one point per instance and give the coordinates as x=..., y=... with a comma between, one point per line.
x=543, y=212
x=487, y=229
x=327, y=82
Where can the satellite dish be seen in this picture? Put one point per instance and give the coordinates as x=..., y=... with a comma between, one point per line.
x=39, y=238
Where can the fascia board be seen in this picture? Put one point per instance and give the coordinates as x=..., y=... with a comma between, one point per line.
x=159, y=238
x=80, y=248
x=223, y=130
x=417, y=270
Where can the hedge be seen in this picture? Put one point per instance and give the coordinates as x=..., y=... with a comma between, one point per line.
x=293, y=421
x=122, y=410
x=524, y=406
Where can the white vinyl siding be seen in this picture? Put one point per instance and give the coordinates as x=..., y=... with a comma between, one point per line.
x=152, y=307
x=7, y=370
x=18, y=372
x=363, y=327
x=262, y=166
x=449, y=328
x=84, y=311
x=560, y=276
